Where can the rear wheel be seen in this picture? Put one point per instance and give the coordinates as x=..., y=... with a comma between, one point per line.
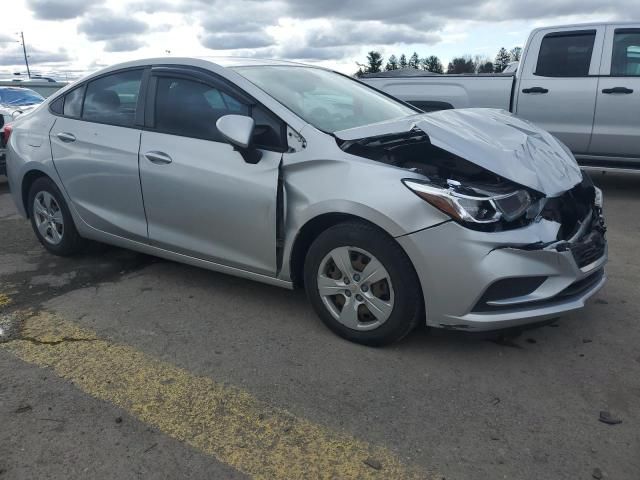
x=362, y=284
x=51, y=220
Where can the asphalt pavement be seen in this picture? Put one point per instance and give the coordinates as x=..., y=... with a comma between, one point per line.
x=120, y=365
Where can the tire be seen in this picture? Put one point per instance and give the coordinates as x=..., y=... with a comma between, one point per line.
x=397, y=307
x=46, y=223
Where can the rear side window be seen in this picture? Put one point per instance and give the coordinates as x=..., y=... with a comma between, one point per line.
x=567, y=54
x=625, y=59
x=112, y=99
x=190, y=109
x=73, y=102
x=57, y=105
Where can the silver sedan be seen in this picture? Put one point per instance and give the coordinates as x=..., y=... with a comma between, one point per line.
x=295, y=175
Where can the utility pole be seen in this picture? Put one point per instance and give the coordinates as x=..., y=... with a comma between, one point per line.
x=24, y=50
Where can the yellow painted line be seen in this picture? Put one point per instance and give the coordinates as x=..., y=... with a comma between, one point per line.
x=4, y=300
x=230, y=424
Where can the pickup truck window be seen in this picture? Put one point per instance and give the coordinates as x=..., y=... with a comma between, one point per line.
x=566, y=54
x=625, y=60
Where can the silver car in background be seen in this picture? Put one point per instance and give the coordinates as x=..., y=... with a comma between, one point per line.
x=299, y=176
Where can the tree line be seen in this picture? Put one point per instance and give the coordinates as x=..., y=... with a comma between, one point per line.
x=431, y=63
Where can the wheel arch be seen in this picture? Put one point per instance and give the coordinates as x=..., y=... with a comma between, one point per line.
x=27, y=180
x=314, y=227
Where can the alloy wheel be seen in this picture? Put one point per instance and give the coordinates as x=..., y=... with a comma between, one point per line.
x=48, y=217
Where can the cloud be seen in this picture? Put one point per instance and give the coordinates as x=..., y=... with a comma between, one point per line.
x=309, y=53
x=60, y=9
x=106, y=25
x=343, y=33
x=14, y=56
x=233, y=41
x=417, y=12
x=304, y=29
x=123, y=44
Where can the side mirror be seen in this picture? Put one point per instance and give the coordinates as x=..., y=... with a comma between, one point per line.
x=238, y=131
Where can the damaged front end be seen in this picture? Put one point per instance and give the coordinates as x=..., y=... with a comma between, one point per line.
x=468, y=193
x=527, y=241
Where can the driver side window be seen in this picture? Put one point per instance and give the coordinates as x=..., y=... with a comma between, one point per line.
x=191, y=109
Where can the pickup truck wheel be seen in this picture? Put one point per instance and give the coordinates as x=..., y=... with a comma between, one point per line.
x=51, y=220
x=362, y=284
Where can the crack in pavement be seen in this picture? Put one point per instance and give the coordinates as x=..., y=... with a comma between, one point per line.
x=53, y=342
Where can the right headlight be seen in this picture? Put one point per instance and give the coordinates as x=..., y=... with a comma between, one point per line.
x=472, y=208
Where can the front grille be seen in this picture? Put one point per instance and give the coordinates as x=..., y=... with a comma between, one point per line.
x=570, y=208
x=588, y=249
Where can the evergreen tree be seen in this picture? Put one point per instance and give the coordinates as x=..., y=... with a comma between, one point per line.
x=502, y=60
x=432, y=64
x=403, y=61
x=515, y=54
x=392, y=64
x=414, y=61
x=374, y=62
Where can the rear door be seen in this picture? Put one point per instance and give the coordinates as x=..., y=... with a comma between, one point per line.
x=557, y=88
x=201, y=198
x=616, y=128
x=95, y=142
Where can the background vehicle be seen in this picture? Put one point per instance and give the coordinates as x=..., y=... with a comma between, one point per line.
x=14, y=101
x=42, y=85
x=295, y=175
x=579, y=82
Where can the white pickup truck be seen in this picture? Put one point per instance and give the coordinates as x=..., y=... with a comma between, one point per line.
x=579, y=82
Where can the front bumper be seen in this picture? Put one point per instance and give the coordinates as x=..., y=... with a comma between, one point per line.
x=482, y=281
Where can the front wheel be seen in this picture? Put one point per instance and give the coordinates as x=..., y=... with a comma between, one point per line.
x=51, y=219
x=362, y=284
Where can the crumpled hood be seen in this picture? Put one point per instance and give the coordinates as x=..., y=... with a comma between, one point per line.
x=493, y=139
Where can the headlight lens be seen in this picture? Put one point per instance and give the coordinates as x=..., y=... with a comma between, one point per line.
x=472, y=208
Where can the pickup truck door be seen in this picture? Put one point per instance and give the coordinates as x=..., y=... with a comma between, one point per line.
x=558, y=82
x=616, y=127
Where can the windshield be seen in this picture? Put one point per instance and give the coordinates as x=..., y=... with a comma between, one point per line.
x=327, y=100
x=19, y=96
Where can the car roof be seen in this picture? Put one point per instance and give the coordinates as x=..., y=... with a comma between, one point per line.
x=205, y=61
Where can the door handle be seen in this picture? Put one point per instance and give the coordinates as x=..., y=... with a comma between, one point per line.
x=617, y=90
x=66, y=137
x=535, y=90
x=159, y=158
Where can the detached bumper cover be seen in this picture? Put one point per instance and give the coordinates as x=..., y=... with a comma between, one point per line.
x=485, y=281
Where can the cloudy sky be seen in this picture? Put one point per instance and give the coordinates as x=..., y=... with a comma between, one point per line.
x=73, y=36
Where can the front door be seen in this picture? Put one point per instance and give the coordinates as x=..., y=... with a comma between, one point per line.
x=557, y=91
x=95, y=151
x=617, y=122
x=201, y=198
